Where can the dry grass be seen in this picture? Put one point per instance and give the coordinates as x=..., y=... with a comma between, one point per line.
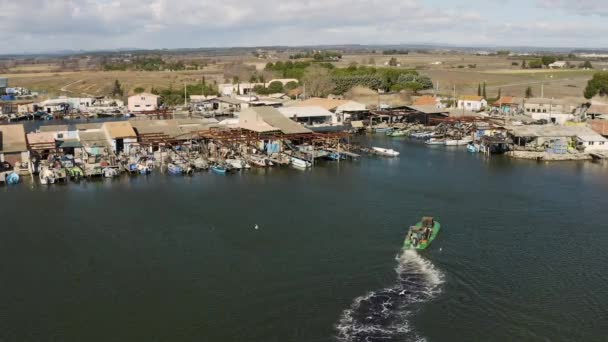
x=99, y=83
x=496, y=71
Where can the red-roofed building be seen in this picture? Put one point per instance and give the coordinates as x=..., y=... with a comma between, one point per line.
x=507, y=105
x=425, y=100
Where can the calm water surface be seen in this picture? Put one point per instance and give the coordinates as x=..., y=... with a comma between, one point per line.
x=521, y=255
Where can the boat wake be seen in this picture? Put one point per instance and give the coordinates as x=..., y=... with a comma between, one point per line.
x=383, y=315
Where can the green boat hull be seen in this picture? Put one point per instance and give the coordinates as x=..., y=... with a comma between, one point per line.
x=424, y=244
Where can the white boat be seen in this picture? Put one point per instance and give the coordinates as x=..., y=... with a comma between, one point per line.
x=300, y=163
x=237, y=163
x=458, y=142
x=385, y=151
x=259, y=161
x=109, y=172
x=46, y=175
x=435, y=141
x=201, y=164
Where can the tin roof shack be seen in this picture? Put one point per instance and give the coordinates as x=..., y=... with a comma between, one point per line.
x=426, y=115
x=547, y=137
x=223, y=105
x=268, y=119
x=13, y=144
x=120, y=135
x=550, y=110
x=345, y=110
x=93, y=139
x=311, y=116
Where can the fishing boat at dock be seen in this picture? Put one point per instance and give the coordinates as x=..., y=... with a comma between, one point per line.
x=174, y=169
x=422, y=234
x=46, y=176
x=473, y=148
x=435, y=141
x=458, y=142
x=219, y=169
x=300, y=163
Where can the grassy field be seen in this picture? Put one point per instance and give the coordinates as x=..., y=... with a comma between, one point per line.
x=452, y=70
x=448, y=70
x=99, y=83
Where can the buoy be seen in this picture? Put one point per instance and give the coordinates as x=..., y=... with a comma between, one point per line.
x=256, y=227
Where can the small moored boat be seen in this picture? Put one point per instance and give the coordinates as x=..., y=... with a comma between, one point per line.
x=12, y=178
x=458, y=142
x=388, y=152
x=435, y=141
x=109, y=172
x=46, y=176
x=174, y=169
x=219, y=169
x=300, y=163
x=473, y=148
x=422, y=234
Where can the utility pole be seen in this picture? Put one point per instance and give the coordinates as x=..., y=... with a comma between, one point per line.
x=455, y=102
x=185, y=96
x=542, y=90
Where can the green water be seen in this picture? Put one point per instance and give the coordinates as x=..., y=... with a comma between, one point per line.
x=521, y=254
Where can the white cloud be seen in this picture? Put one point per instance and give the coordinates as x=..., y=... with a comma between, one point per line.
x=97, y=24
x=577, y=7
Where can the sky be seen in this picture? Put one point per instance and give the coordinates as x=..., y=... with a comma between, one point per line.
x=52, y=25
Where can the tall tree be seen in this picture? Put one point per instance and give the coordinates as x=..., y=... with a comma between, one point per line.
x=523, y=64
x=499, y=93
x=597, y=85
x=483, y=93
x=546, y=60
x=479, y=89
x=317, y=81
x=117, y=89
x=529, y=92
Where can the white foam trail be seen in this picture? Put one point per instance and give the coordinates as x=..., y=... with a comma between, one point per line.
x=383, y=314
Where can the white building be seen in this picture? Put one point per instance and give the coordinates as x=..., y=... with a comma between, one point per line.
x=592, y=142
x=143, y=102
x=310, y=116
x=472, y=103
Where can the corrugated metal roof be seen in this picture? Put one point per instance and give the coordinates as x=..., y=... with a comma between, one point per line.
x=168, y=127
x=41, y=138
x=305, y=112
x=13, y=138
x=93, y=139
x=120, y=129
x=274, y=118
x=54, y=128
x=429, y=109
x=92, y=125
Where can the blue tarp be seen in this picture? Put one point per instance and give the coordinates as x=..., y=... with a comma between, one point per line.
x=272, y=148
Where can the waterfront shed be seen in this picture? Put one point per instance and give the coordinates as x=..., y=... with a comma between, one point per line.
x=312, y=115
x=120, y=135
x=13, y=144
